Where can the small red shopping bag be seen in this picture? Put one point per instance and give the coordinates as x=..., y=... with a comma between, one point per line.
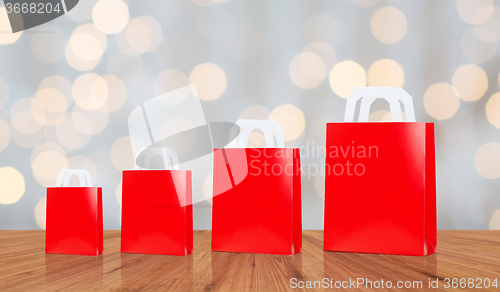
x=157, y=212
x=74, y=216
x=380, y=193
x=257, y=195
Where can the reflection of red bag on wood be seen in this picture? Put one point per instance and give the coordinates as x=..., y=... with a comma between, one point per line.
x=380, y=194
x=157, y=214
x=262, y=213
x=74, y=216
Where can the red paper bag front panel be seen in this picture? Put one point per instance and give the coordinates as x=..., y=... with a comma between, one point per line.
x=157, y=212
x=380, y=194
x=74, y=221
x=263, y=213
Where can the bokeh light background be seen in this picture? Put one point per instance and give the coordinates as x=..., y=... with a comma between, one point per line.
x=67, y=87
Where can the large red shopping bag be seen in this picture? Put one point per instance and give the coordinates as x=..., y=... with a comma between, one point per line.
x=157, y=212
x=262, y=213
x=380, y=193
x=74, y=216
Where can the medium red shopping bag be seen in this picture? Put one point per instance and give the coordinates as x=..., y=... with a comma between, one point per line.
x=380, y=193
x=157, y=212
x=262, y=213
x=74, y=216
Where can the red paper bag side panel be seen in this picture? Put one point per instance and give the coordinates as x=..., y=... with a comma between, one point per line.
x=74, y=220
x=375, y=188
x=430, y=191
x=100, y=241
x=154, y=220
x=254, y=216
x=297, y=203
x=189, y=213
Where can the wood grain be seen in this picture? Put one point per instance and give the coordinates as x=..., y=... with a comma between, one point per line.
x=24, y=266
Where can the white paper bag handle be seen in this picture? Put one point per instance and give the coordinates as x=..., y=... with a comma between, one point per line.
x=368, y=95
x=164, y=153
x=83, y=176
x=266, y=126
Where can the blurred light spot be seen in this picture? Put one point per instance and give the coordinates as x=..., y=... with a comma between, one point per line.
x=118, y=193
x=441, y=101
x=319, y=183
x=378, y=116
x=90, y=91
x=210, y=80
x=85, y=47
x=27, y=116
x=121, y=154
x=7, y=37
x=493, y=110
x=475, y=11
x=143, y=34
x=47, y=165
x=484, y=34
x=4, y=135
x=117, y=93
x=129, y=69
x=40, y=210
x=81, y=162
x=243, y=42
x=169, y=80
x=389, y=25
x=365, y=3
x=291, y=119
x=489, y=31
x=322, y=27
x=307, y=70
x=495, y=221
x=345, y=77
x=110, y=16
x=4, y=92
x=388, y=117
x=256, y=112
x=90, y=122
x=256, y=139
x=475, y=50
x=48, y=44
x=487, y=160
x=470, y=81
x=386, y=73
x=208, y=187
x=324, y=51
x=174, y=52
x=12, y=186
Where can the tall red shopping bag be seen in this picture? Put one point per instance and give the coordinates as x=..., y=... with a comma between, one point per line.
x=157, y=212
x=74, y=216
x=380, y=184
x=263, y=213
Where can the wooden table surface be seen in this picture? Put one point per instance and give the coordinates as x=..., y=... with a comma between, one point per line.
x=24, y=266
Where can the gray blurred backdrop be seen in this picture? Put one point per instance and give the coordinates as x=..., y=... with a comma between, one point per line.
x=67, y=87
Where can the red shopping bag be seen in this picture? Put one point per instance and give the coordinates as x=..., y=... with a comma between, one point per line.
x=74, y=216
x=262, y=213
x=157, y=213
x=380, y=193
